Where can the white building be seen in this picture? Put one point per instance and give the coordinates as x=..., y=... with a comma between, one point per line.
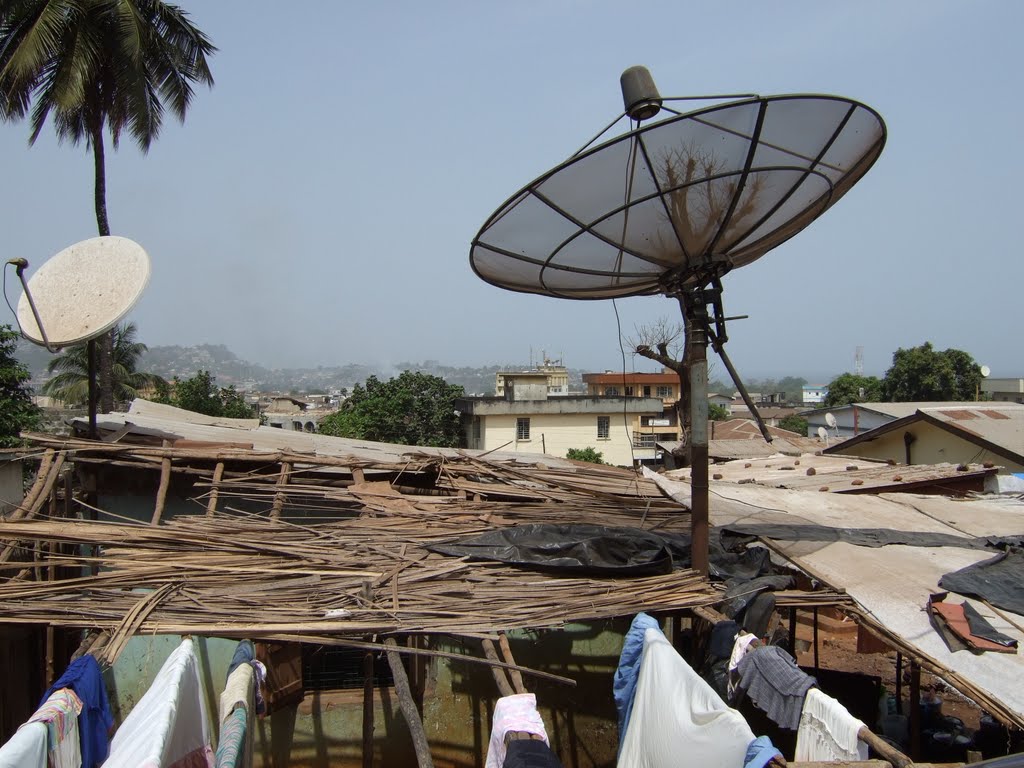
x=814, y=394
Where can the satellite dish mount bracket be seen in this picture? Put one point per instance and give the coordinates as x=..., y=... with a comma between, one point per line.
x=20, y=265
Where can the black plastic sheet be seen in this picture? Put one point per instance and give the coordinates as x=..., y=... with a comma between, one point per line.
x=1000, y=581
x=593, y=549
x=861, y=537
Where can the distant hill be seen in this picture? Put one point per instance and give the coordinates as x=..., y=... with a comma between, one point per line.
x=175, y=360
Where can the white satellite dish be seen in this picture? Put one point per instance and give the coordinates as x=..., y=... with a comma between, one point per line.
x=83, y=291
x=830, y=420
x=985, y=371
x=823, y=435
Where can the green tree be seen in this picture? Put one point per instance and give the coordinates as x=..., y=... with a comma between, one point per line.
x=794, y=423
x=793, y=387
x=924, y=374
x=71, y=382
x=17, y=411
x=200, y=394
x=590, y=455
x=718, y=412
x=96, y=66
x=849, y=388
x=411, y=409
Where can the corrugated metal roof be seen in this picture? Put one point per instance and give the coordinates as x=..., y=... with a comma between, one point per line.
x=841, y=475
x=891, y=584
x=997, y=427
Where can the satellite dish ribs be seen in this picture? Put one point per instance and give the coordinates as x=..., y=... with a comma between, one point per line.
x=679, y=201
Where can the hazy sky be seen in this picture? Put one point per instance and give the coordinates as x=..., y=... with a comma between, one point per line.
x=318, y=205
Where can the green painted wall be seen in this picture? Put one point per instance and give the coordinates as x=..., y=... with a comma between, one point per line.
x=326, y=728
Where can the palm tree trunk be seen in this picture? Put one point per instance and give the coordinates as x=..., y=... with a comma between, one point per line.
x=105, y=344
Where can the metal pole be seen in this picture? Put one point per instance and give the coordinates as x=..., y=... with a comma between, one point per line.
x=696, y=308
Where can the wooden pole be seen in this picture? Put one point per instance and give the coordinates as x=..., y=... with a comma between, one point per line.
x=368, y=710
x=515, y=674
x=90, y=353
x=279, y=497
x=792, y=630
x=883, y=748
x=815, y=639
x=405, y=700
x=915, y=710
x=218, y=474
x=161, y=491
x=504, y=688
x=899, y=683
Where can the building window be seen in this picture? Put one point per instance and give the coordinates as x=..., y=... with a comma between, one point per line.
x=476, y=429
x=522, y=429
x=664, y=391
x=647, y=391
x=604, y=430
x=629, y=391
x=611, y=391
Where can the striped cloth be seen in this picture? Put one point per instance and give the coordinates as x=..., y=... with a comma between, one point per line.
x=232, y=740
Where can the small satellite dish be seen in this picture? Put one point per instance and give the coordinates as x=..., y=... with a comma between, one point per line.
x=83, y=291
x=822, y=434
x=985, y=371
x=830, y=420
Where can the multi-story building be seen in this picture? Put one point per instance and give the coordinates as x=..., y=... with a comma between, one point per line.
x=552, y=373
x=527, y=419
x=650, y=428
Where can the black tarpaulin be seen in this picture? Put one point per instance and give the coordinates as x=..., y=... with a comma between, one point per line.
x=1000, y=581
x=587, y=548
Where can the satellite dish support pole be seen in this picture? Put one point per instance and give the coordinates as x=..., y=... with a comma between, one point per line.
x=695, y=309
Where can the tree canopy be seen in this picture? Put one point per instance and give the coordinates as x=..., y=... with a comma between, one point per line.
x=794, y=423
x=17, y=411
x=411, y=409
x=200, y=394
x=924, y=374
x=590, y=455
x=718, y=412
x=70, y=384
x=849, y=388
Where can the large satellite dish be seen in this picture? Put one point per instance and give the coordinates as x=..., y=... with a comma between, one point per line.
x=680, y=200
x=672, y=205
x=83, y=291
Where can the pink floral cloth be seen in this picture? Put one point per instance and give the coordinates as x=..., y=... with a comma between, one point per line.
x=513, y=713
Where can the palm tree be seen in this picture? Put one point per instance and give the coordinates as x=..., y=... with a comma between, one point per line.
x=95, y=65
x=71, y=382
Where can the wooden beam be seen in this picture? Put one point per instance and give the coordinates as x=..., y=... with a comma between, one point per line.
x=504, y=688
x=161, y=491
x=515, y=674
x=279, y=497
x=405, y=700
x=915, y=709
x=368, y=710
x=883, y=748
x=218, y=475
